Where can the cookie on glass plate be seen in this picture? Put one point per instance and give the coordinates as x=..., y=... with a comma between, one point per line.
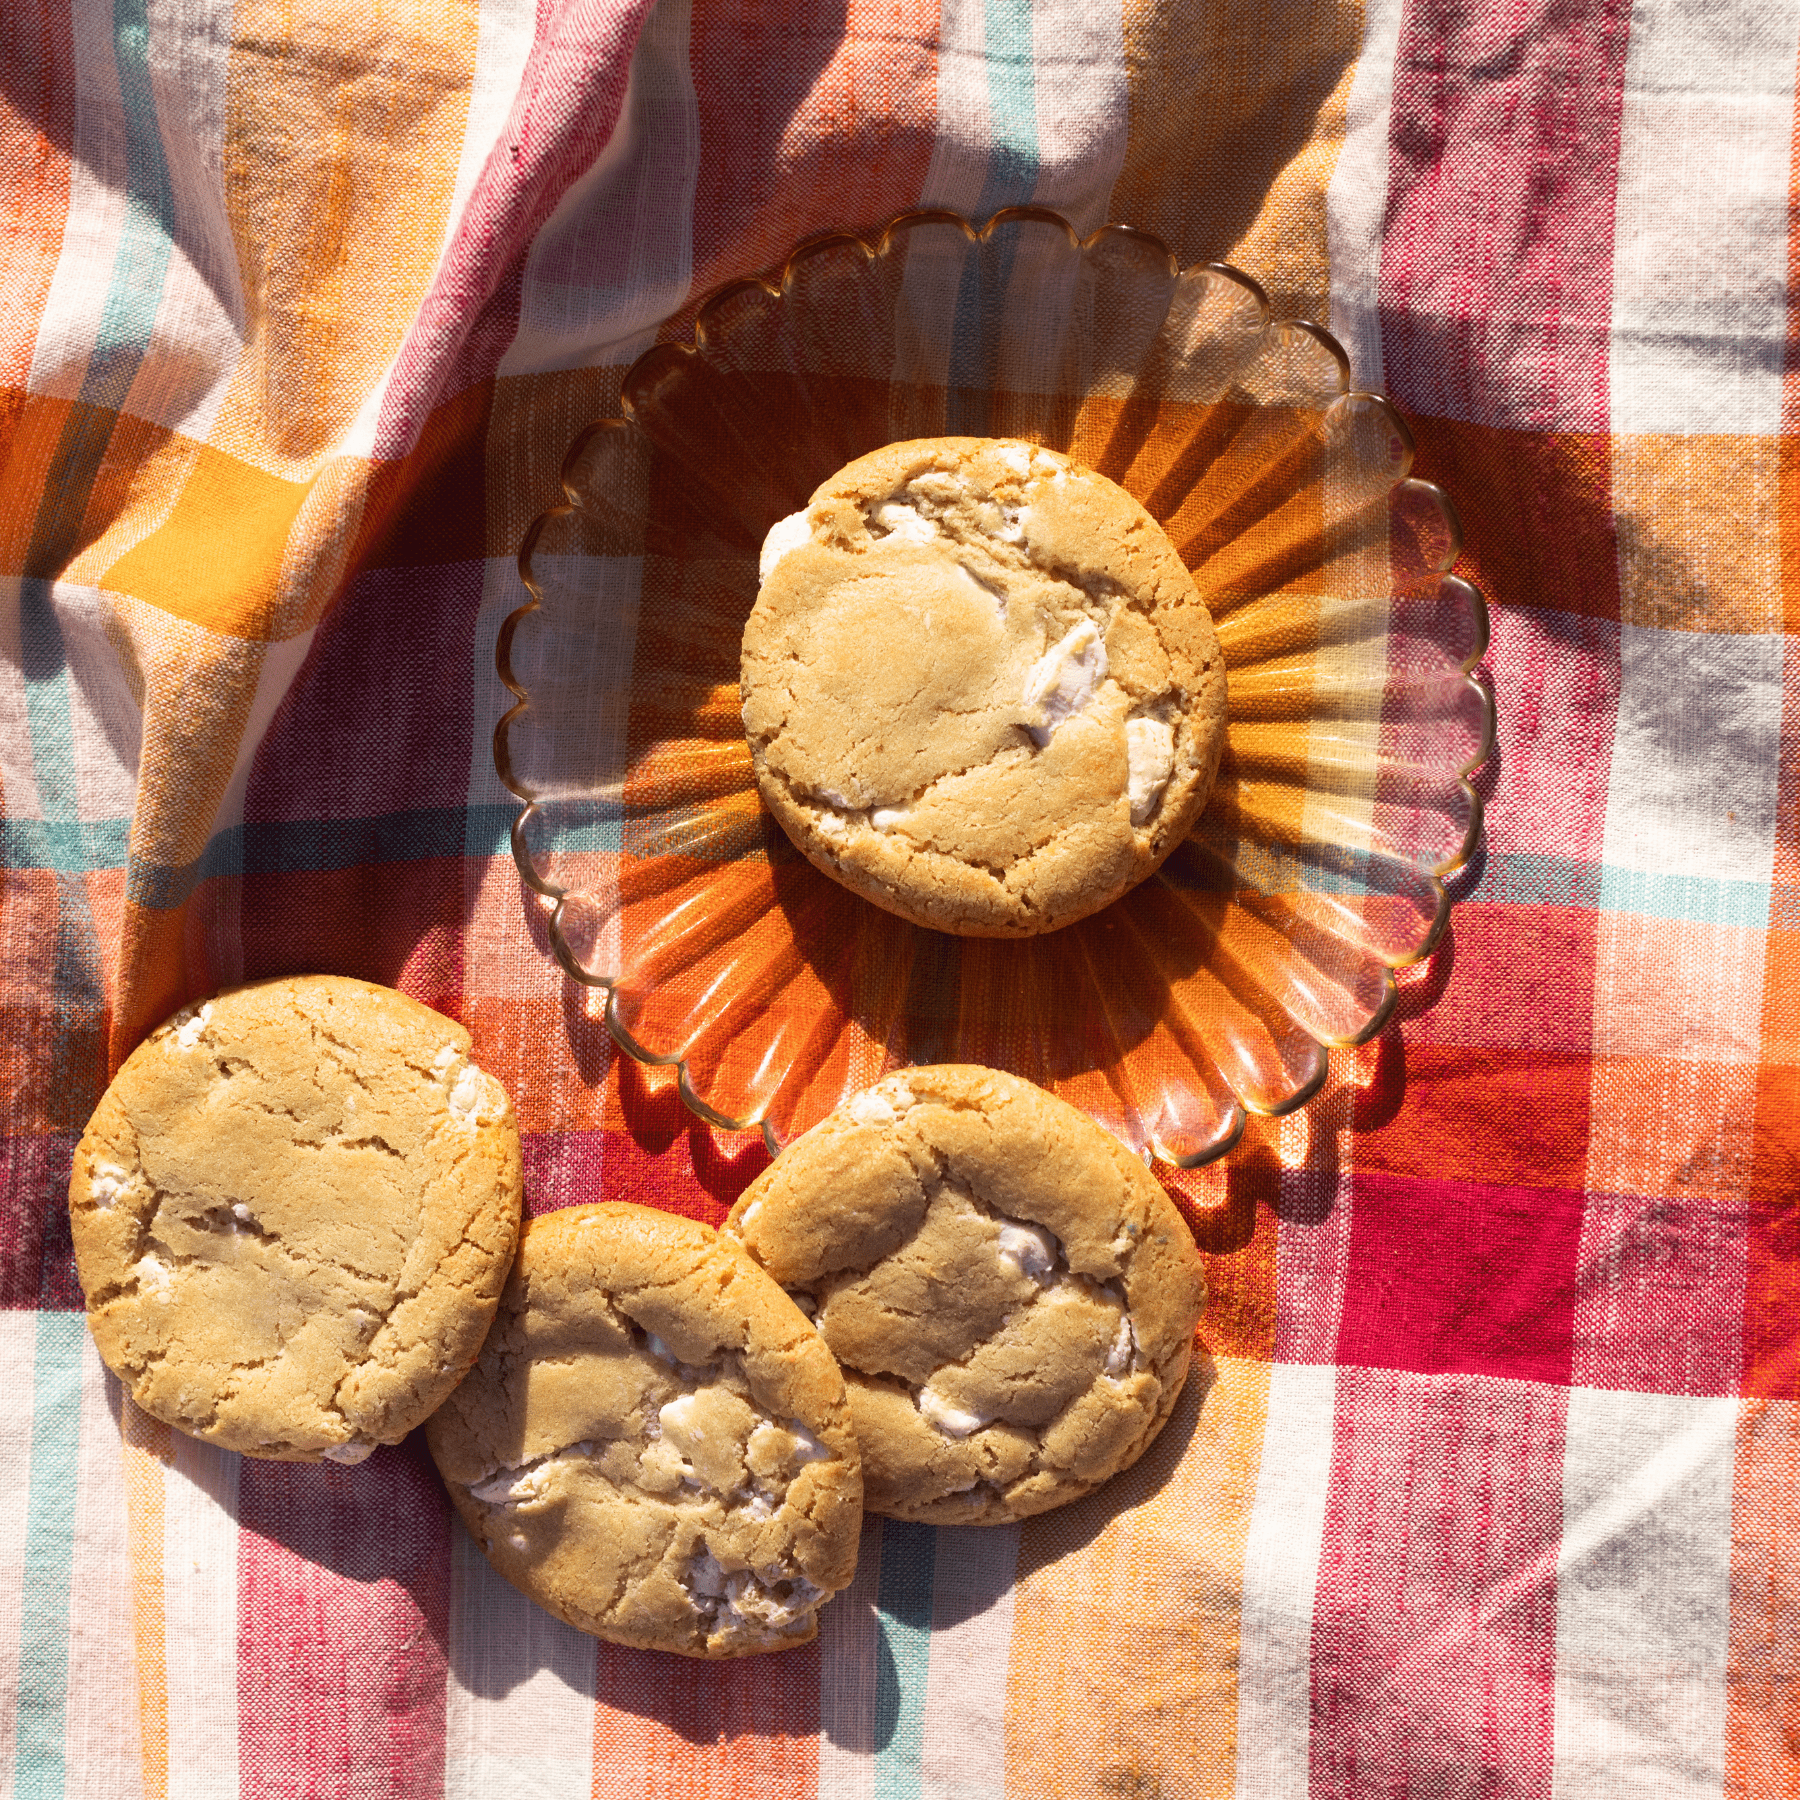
x=979, y=686
x=1010, y=1293
x=655, y=1444
x=293, y=1213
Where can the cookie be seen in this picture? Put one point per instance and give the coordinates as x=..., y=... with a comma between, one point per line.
x=655, y=1444
x=1009, y=1292
x=979, y=687
x=293, y=1211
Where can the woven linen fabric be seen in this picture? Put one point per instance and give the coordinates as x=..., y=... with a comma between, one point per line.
x=1495, y=1490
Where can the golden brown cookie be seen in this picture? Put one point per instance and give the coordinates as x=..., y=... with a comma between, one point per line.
x=656, y=1445
x=979, y=686
x=293, y=1211
x=1010, y=1293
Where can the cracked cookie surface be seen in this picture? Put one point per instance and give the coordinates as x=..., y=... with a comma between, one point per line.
x=656, y=1444
x=1011, y=1295
x=979, y=686
x=293, y=1213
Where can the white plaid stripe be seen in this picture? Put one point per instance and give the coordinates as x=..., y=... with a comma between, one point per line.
x=1078, y=49
x=1281, y=1573
x=1643, y=1608
x=1696, y=767
x=1700, y=237
x=1356, y=201
x=200, y=1617
x=102, y=1727
x=519, y=1707
x=964, y=1733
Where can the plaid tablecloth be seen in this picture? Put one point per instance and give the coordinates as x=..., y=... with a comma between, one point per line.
x=1496, y=1490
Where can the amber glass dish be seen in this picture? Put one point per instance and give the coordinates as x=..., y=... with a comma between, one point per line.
x=1212, y=990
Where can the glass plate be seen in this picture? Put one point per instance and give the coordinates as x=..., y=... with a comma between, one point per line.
x=1211, y=991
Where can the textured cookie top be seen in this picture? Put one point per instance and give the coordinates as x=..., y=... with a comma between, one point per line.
x=979, y=686
x=293, y=1213
x=1010, y=1293
x=655, y=1444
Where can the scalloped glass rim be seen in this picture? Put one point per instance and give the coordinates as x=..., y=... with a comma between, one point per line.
x=1352, y=410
